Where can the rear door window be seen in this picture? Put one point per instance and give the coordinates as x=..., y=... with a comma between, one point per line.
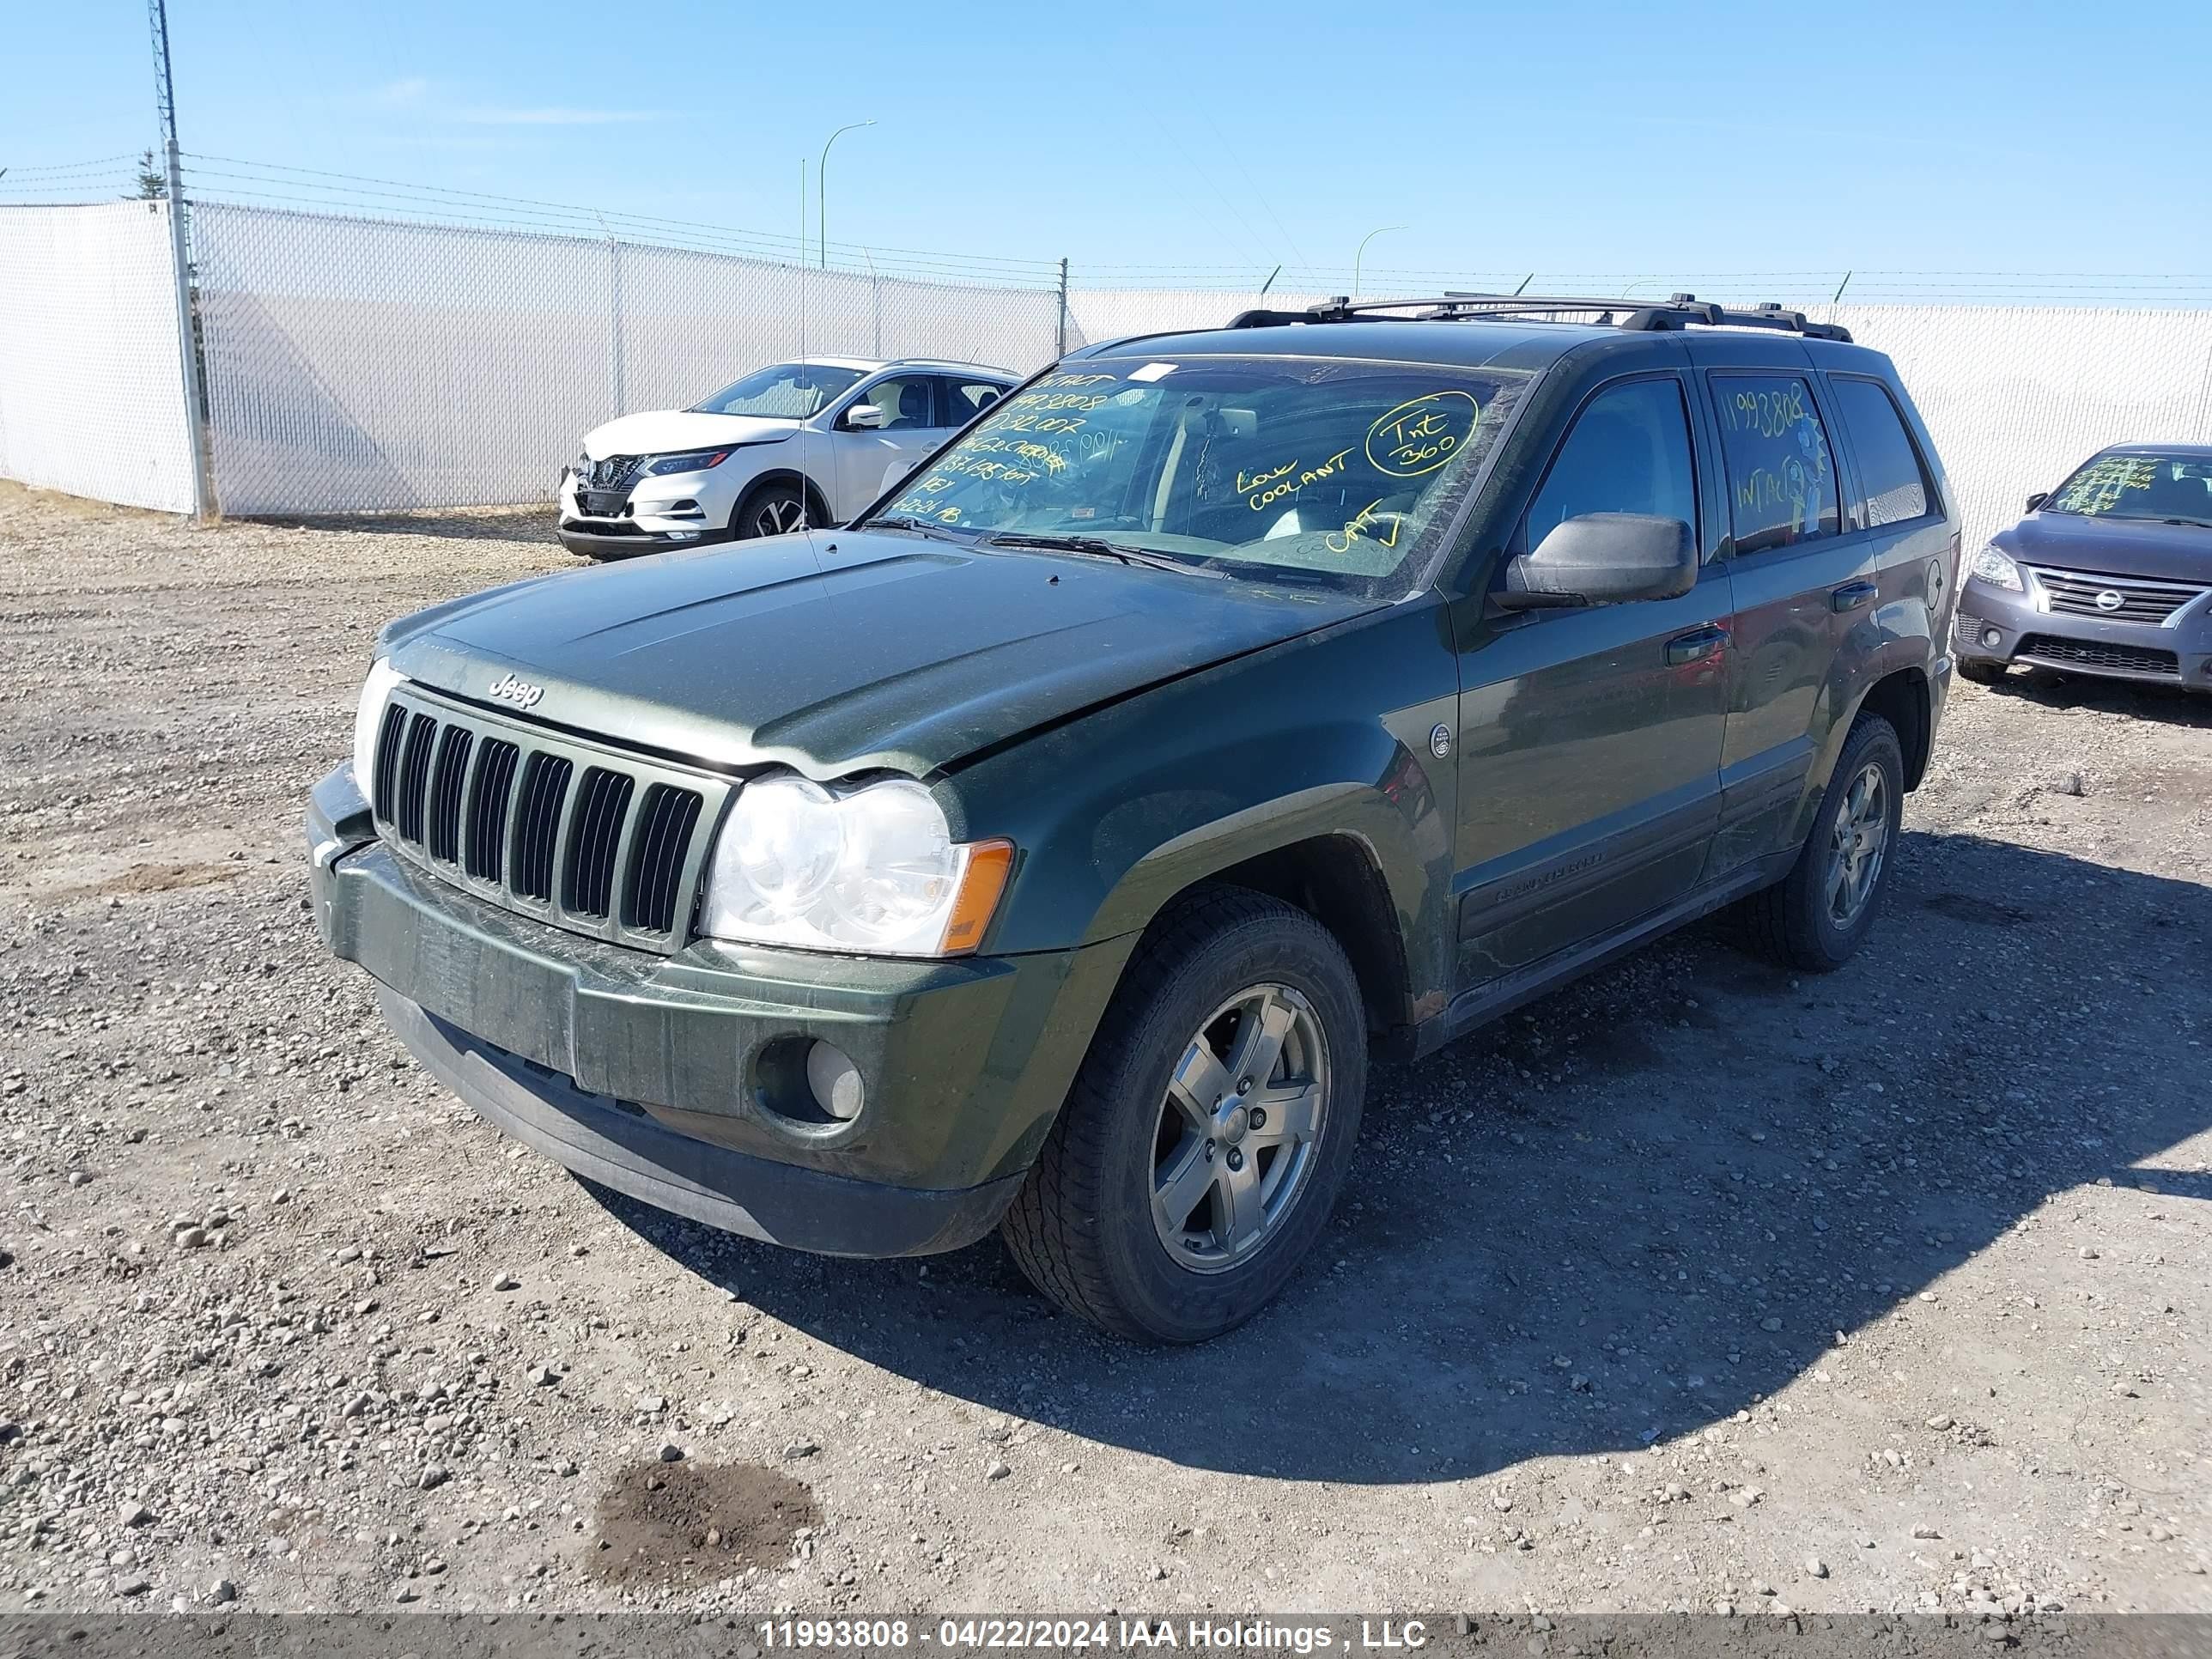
x=1781, y=473
x=1890, y=470
x=965, y=399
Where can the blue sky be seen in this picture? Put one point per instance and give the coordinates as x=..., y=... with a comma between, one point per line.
x=1928, y=137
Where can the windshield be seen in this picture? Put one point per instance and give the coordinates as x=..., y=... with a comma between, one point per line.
x=788, y=392
x=1287, y=470
x=2172, y=487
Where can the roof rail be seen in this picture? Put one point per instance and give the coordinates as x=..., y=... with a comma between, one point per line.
x=1678, y=311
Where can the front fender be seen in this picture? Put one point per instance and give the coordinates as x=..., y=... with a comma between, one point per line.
x=1327, y=735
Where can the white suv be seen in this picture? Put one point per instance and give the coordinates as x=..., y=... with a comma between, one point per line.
x=801, y=443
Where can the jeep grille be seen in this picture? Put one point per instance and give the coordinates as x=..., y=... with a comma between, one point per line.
x=584, y=837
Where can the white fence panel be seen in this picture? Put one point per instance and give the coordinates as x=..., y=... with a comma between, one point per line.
x=2015, y=398
x=91, y=396
x=365, y=363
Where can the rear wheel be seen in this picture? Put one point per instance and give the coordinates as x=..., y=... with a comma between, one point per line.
x=1209, y=1129
x=1982, y=673
x=775, y=508
x=1819, y=913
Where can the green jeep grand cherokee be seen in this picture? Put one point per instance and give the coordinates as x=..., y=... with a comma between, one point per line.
x=1052, y=848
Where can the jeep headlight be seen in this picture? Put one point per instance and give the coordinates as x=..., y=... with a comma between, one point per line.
x=368, y=721
x=1994, y=566
x=872, y=870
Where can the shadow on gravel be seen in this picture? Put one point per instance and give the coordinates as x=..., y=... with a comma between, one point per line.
x=1633, y=1209
x=493, y=523
x=2169, y=704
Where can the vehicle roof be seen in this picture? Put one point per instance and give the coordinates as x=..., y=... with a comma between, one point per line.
x=872, y=365
x=1462, y=343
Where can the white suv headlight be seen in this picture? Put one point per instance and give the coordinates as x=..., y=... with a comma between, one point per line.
x=368, y=720
x=1994, y=566
x=873, y=871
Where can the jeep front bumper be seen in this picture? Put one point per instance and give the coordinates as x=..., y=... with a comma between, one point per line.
x=672, y=1078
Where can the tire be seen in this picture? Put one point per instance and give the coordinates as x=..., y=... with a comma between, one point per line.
x=774, y=508
x=1084, y=1227
x=1797, y=922
x=1982, y=673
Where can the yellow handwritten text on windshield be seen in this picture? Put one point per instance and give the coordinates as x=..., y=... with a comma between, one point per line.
x=1422, y=434
x=1263, y=488
x=1363, y=523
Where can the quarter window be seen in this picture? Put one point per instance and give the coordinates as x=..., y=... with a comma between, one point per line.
x=1895, y=483
x=1782, y=480
x=1627, y=451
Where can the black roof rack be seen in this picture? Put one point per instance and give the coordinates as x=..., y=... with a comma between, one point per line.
x=1678, y=311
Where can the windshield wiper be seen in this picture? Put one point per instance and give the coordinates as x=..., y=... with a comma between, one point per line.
x=2201, y=524
x=1099, y=547
x=916, y=526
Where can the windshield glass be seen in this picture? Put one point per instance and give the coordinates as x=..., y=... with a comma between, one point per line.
x=2139, y=487
x=788, y=392
x=1287, y=470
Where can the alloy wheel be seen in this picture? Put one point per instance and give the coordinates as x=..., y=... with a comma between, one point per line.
x=1239, y=1131
x=1859, y=841
x=779, y=516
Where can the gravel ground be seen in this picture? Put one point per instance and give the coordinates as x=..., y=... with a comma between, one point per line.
x=1692, y=1286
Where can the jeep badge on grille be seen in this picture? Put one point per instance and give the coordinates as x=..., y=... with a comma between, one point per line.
x=521, y=693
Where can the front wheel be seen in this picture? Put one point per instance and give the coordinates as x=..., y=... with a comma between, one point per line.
x=777, y=507
x=1982, y=673
x=1820, y=913
x=1208, y=1132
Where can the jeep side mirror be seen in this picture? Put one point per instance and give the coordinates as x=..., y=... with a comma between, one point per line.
x=1602, y=558
x=864, y=416
x=2038, y=499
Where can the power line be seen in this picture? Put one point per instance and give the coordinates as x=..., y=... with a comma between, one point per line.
x=71, y=167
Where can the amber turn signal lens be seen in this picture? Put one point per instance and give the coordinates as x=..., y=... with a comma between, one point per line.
x=981, y=884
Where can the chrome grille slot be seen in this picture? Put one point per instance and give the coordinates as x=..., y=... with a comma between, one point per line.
x=595, y=841
x=538, y=824
x=2141, y=599
x=388, y=737
x=485, y=845
x=415, y=775
x=565, y=829
x=448, y=780
x=666, y=824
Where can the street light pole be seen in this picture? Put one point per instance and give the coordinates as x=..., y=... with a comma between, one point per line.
x=821, y=187
x=1362, y=254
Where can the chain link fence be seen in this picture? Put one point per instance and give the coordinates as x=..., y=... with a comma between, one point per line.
x=91, y=396
x=359, y=363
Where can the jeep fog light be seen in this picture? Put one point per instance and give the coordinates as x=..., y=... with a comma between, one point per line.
x=1991, y=638
x=835, y=1081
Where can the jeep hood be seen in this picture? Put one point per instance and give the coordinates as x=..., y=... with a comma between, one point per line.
x=667, y=431
x=853, y=651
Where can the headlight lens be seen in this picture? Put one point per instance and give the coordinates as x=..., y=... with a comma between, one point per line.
x=1994, y=566
x=873, y=870
x=691, y=460
x=368, y=720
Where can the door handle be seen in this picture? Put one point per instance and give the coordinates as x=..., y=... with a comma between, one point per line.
x=1852, y=595
x=1696, y=646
